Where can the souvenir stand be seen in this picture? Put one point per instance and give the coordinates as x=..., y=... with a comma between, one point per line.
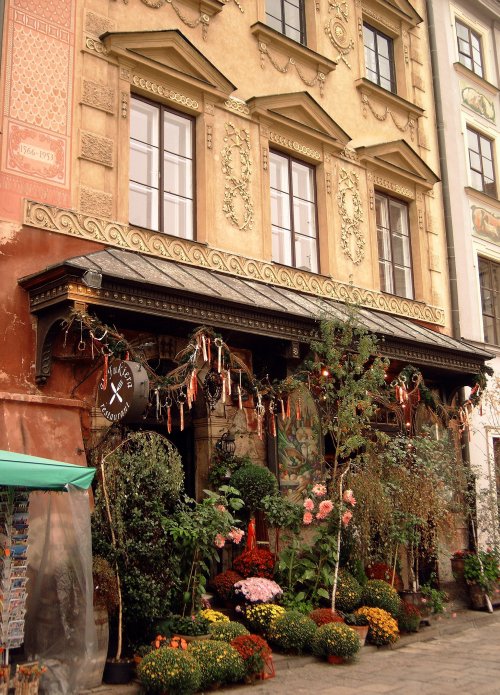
x=20, y=475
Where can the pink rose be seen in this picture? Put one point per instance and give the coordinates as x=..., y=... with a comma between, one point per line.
x=308, y=504
x=307, y=518
x=319, y=490
x=346, y=517
x=220, y=541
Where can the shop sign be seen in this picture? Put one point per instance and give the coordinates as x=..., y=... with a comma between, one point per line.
x=123, y=393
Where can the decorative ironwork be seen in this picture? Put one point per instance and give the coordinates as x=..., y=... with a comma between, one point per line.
x=212, y=388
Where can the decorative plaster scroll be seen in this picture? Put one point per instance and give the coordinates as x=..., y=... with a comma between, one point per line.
x=210, y=108
x=338, y=32
x=409, y=125
x=209, y=137
x=237, y=106
x=97, y=25
x=165, y=92
x=350, y=154
x=202, y=19
x=96, y=148
x=393, y=186
x=381, y=19
x=163, y=246
x=98, y=96
x=125, y=74
x=237, y=142
x=318, y=79
x=265, y=158
x=352, y=240
x=94, y=202
x=328, y=182
x=294, y=145
x=95, y=45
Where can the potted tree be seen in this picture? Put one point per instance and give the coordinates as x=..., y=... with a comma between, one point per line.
x=481, y=573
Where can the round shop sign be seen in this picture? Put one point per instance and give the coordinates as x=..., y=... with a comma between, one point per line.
x=124, y=394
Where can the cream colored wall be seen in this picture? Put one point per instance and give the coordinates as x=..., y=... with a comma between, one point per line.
x=232, y=48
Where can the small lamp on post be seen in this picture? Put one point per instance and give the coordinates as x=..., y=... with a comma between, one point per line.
x=226, y=444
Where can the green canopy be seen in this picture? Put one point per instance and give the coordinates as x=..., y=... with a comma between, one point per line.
x=21, y=470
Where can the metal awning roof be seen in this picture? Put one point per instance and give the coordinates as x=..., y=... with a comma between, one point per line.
x=148, y=284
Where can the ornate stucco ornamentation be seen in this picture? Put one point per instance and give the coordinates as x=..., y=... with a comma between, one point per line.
x=237, y=105
x=237, y=180
x=237, y=3
x=337, y=30
x=122, y=236
x=318, y=79
x=478, y=103
x=164, y=91
x=96, y=148
x=209, y=136
x=403, y=128
x=96, y=46
x=94, y=202
x=352, y=239
x=294, y=145
x=98, y=96
x=393, y=186
x=202, y=19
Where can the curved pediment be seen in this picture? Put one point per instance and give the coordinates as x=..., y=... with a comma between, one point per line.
x=169, y=51
x=399, y=158
x=299, y=110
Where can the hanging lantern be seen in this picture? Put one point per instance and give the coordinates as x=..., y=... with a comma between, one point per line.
x=226, y=444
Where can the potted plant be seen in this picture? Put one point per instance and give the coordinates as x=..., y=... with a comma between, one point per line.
x=169, y=670
x=481, y=573
x=358, y=623
x=260, y=617
x=255, y=562
x=382, y=627
x=380, y=594
x=189, y=627
x=409, y=617
x=322, y=616
x=256, y=655
x=219, y=663
x=292, y=632
x=335, y=641
x=227, y=632
x=257, y=590
x=223, y=584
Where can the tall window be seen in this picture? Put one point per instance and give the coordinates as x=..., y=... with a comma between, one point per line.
x=481, y=162
x=394, y=251
x=287, y=17
x=489, y=284
x=379, y=58
x=293, y=213
x=469, y=48
x=161, y=169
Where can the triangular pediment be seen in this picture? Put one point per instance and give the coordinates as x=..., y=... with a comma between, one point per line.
x=398, y=157
x=300, y=111
x=402, y=8
x=168, y=51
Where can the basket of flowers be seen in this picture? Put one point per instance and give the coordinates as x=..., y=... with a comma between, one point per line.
x=335, y=641
x=383, y=629
x=27, y=678
x=256, y=655
x=257, y=562
x=169, y=670
x=261, y=616
x=257, y=590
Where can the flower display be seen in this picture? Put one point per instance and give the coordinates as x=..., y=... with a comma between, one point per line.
x=260, y=617
x=409, y=617
x=380, y=594
x=315, y=509
x=325, y=508
x=292, y=632
x=383, y=629
x=169, y=670
x=307, y=518
x=379, y=570
x=220, y=541
x=219, y=663
x=322, y=616
x=254, y=651
x=235, y=535
x=223, y=583
x=348, y=595
x=214, y=616
x=257, y=562
x=335, y=639
x=227, y=632
x=346, y=517
x=319, y=490
x=309, y=504
x=257, y=590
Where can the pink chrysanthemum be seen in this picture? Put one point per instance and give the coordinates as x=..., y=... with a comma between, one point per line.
x=346, y=517
x=220, y=541
x=307, y=518
x=349, y=497
x=319, y=490
x=308, y=504
x=325, y=507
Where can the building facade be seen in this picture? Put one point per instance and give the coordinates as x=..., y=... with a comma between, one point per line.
x=240, y=164
x=467, y=38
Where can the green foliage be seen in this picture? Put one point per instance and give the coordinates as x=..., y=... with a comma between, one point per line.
x=296, y=602
x=253, y=484
x=357, y=619
x=435, y=597
x=222, y=467
x=482, y=568
x=348, y=592
x=227, y=632
x=408, y=617
x=169, y=670
x=219, y=662
x=380, y=594
x=335, y=639
x=282, y=513
x=192, y=625
x=293, y=632
x=105, y=584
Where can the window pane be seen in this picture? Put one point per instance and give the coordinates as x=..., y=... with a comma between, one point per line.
x=383, y=46
x=292, y=16
x=384, y=244
x=485, y=147
x=403, y=282
x=274, y=23
x=278, y=171
x=144, y=164
x=304, y=217
x=489, y=329
x=144, y=122
x=273, y=8
x=143, y=206
x=303, y=181
x=385, y=69
x=401, y=250
x=292, y=33
x=368, y=37
x=487, y=301
x=475, y=160
x=178, y=176
x=282, y=249
x=462, y=31
x=386, y=284
x=398, y=218
x=472, y=140
x=306, y=255
x=476, y=181
x=177, y=216
x=280, y=209
x=381, y=211
x=177, y=134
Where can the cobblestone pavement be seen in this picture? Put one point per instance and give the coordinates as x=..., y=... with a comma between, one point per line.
x=454, y=656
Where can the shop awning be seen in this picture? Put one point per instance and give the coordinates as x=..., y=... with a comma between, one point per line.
x=22, y=470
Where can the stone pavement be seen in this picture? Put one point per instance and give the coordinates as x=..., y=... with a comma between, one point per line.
x=452, y=656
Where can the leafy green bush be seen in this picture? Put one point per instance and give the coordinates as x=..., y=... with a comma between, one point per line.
x=169, y=670
x=193, y=625
x=380, y=594
x=335, y=639
x=254, y=483
x=481, y=568
x=227, y=632
x=219, y=662
x=348, y=595
x=293, y=632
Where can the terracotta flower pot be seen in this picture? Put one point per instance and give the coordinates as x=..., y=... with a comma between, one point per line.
x=361, y=631
x=334, y=659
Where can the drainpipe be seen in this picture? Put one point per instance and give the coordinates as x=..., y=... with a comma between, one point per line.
x=448, y=223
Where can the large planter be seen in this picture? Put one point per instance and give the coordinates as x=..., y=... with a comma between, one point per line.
x=361, y=631
x=96, y=667
x=477, y=596
x=118, y=672
x=334, y=659
x=457, y=569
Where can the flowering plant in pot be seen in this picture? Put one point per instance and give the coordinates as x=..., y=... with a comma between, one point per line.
x=261, y=616
x=383, y=629
x=219, y=663
x=322, y=616
x=481, y=573
x=380, y=594
x=227, y=632
x=256, y=654
x=185, y=625
x=255, y=562
x=257, y=590
x=358, y=623
x=169, y=670
x=292, y=632
x=409, y=617
x=213, y=616
x=224, y=582
x=335, y=640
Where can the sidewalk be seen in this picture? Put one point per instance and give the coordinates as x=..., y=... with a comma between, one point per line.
x=448, y=625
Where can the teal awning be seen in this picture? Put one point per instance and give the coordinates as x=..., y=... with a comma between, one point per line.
x=22, y=470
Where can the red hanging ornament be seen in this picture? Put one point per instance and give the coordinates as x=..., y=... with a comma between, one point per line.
x=105, y=375
x=169, y=419
x=288, y=408
x=251, y=536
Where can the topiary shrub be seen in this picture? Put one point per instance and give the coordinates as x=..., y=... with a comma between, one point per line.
x=293, y=632
x=254, y=483
x=260, y=618
x=169, y=670
x=335, y=639
x=348, y=596
x=379, y=594
x=218, y=661
x=383, y=629
x=227, y=632
x=323, y=616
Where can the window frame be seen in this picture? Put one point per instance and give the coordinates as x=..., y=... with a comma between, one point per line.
x=495, y=316
x=302, y=16
x=377, y=33
x=388, y=198
x=290, y=159
x=162, y=108
x=480, y=172
x=471, y=34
